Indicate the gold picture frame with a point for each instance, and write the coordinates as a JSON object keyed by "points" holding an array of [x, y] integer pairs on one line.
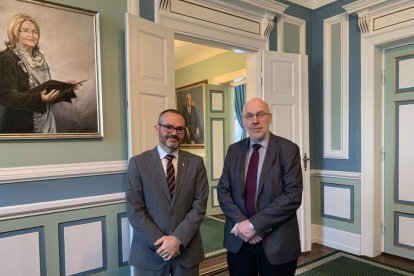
{"points": [[68, 38]]}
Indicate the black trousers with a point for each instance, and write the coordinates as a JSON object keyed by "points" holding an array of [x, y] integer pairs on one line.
{"points": [[251, 260]]}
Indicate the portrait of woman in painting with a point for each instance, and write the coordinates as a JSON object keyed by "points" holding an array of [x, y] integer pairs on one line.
{"points": [[23, 67]]}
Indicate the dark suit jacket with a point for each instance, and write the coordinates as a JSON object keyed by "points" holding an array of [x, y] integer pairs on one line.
{"points": [[152, 214], [279, 195], [192, 122]]}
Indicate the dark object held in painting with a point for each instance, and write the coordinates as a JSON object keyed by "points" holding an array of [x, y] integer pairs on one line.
{"points": [[54, 84]]}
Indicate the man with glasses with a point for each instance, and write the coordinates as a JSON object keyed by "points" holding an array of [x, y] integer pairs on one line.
{"points": [[259, 192], [166, 197]]}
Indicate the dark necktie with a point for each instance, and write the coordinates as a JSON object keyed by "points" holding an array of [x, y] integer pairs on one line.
{"points": [[251, 181], [170, 174]]}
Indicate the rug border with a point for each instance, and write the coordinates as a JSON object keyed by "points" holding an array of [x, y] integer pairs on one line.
{"points": [[353, 256]]}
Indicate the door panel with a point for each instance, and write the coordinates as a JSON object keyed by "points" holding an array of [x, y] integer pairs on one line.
{"points": [[399, 152], [150, 73], [285, 88], [218, 114]]}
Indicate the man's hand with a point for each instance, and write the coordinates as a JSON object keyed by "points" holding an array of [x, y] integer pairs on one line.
{"points": [[245, 231], [255, 239], [169, 247]]}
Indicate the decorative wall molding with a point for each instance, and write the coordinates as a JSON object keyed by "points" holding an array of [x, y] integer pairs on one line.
{"points": [[302, 30], [250, 20], [133, 6], [312, 4], [336, 174], [35, 173], [337, 202], [379, 15], [12, 212], [337, 239], [336, 97]]}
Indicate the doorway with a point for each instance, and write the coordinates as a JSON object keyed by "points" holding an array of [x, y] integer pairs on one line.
{"points": [[215, 72]]}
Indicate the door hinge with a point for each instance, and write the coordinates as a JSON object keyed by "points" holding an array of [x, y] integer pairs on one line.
{"points": [[382, 154], [382, 227]]}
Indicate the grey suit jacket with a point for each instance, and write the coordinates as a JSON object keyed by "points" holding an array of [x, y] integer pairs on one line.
{"points": [[279, 195], [153, 214]]}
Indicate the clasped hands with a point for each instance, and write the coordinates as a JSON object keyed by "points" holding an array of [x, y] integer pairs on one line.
{"points": [[168, 247], [245, 232]]}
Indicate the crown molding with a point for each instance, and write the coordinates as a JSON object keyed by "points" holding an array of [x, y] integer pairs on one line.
{"points": [[376, 16], [312, 4]]}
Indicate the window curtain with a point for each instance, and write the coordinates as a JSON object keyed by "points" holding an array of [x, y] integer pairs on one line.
{"points": [[239, 101]]}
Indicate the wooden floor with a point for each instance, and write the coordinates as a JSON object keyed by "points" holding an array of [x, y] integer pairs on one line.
{"points": [[218, 266]]}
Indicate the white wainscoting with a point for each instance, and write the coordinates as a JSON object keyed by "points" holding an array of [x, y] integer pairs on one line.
{"points": [[83, 246], [20, 253], [337, 239], [338, 201]]}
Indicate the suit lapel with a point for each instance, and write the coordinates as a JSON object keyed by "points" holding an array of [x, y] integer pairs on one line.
{"points": [[159, 174], [182, 167], [268, 160], [242, 155]]}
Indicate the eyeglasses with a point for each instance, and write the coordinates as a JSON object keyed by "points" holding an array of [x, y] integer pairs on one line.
{"points": [[27, 32], [260, 116], [170, 128]]}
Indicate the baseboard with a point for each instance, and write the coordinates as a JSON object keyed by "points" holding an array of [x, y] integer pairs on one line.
{"points": [[337, 239]]}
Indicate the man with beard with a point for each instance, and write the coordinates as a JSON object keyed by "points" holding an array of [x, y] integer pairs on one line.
{"points": [[166, 198]]}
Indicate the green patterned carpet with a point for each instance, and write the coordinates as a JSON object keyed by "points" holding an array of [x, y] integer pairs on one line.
{"points": [[344, 264], [212, 234]]}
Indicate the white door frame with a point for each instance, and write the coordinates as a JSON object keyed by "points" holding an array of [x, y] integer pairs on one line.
{"points": [[373, 42]]}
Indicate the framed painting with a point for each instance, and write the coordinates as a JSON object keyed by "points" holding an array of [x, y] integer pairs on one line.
{"points": [[50, 85], [190, 102]]}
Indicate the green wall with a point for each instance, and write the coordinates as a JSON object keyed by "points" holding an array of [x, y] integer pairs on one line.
{"points": [[114, 144]]}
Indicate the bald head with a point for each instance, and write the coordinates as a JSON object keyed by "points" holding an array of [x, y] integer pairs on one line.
{"points": [[256, 119], [256, 103]]}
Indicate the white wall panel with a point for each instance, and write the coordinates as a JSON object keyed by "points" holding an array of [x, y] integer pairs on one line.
{"points": [[405, 152], [405, 73], [406, 230], [337, 202], [20, 255], [125, 239], [217, 129], [83, 247]]}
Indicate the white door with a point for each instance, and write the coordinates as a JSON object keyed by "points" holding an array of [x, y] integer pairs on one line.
{"points": [[150, 82], [399, 152], [285, 88], [150, 79]]}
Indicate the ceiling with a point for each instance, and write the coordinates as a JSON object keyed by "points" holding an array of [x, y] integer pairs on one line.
{"points": [[187, 53]]}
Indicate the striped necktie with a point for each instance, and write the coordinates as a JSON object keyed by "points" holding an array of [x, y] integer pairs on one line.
{"points": [[170, 174]]}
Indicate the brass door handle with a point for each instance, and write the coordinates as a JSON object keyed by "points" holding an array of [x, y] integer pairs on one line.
{"points": [[305, 162]]}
